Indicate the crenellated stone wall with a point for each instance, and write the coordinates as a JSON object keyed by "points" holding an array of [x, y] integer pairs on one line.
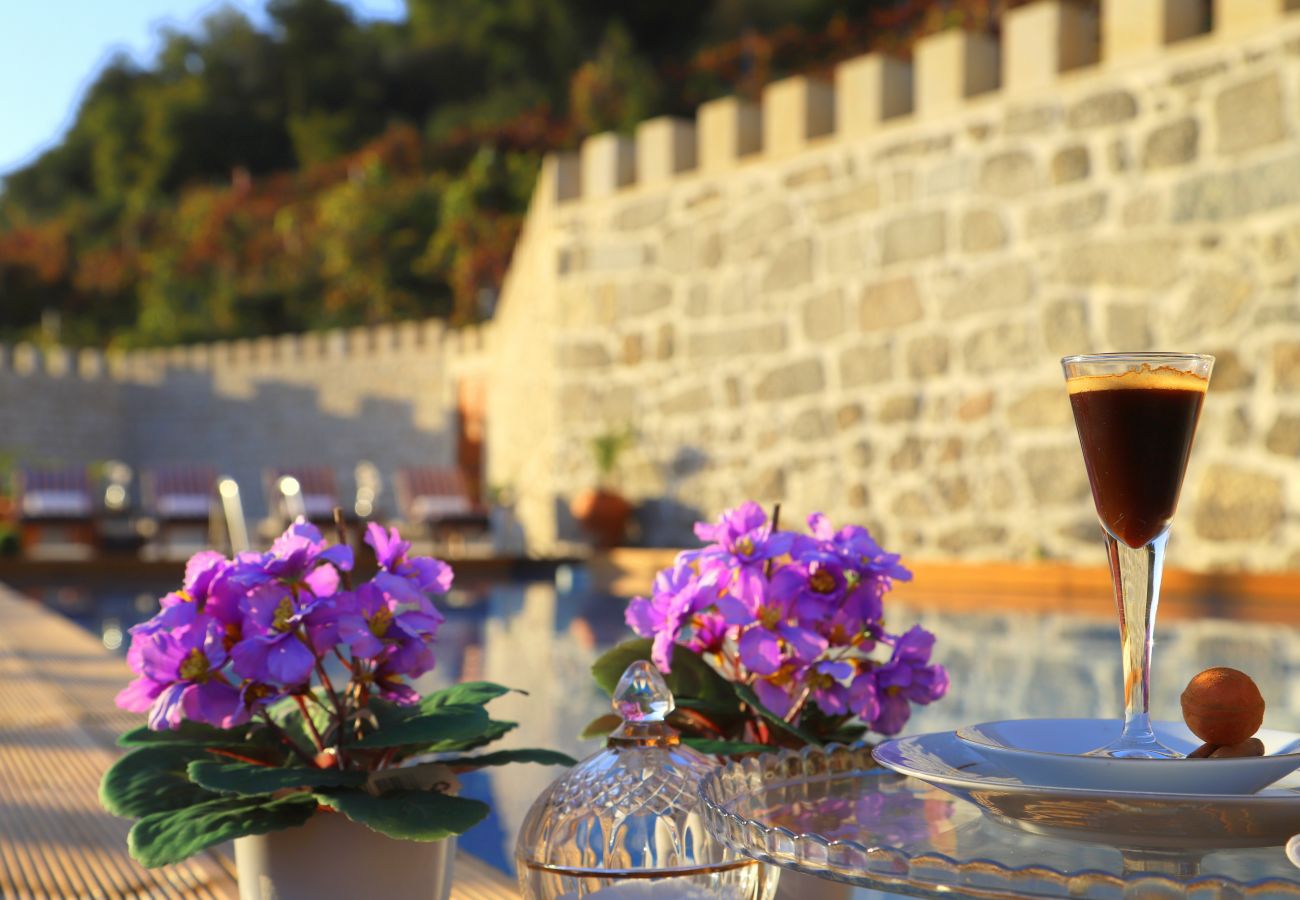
{"points": [[853, 297], [384, 394]]}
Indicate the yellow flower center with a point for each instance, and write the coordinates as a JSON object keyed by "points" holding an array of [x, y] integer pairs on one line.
{"points": [[195, 666], [257, 692], [893, 690], [745, 546], [769, 617], [283, 613], [380, 621], [822, 581], [820, 681]]}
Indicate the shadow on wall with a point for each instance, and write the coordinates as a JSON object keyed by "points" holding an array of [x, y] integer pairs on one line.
{"points": [[185, 419]]}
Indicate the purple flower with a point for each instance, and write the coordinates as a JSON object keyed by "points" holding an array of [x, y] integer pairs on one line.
{"points": [[709, 633], [825, 680], [182, 672], [776, 636], [863, 699], [411, 579], [677, 595], [774, 693], [855, 544], [371, 621], [276, 652], [743, 544], [906, 679]]}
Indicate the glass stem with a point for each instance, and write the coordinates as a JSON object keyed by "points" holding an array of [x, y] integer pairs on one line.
{"points": [[1136, 577]]}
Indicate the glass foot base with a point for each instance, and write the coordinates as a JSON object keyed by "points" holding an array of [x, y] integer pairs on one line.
{"points": [[1127, 748]]}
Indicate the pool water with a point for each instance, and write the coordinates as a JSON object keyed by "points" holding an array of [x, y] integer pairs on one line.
{"points": [[543, 635]]}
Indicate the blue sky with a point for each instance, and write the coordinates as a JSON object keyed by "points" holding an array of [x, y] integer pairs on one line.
{"points": [[51, 50]]}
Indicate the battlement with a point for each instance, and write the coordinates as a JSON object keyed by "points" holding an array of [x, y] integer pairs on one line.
{"points": [[430, 336], [1040, 43]]}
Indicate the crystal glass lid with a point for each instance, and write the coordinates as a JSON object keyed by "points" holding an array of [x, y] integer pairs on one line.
{"points": [[633, 805]]}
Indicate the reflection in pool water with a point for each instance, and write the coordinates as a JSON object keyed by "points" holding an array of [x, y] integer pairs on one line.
{"points": [[542, 636]]}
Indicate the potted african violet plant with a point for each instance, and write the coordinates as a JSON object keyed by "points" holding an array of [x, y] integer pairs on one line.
{"points": [[601, 510], [770, 638], [281, 715]]}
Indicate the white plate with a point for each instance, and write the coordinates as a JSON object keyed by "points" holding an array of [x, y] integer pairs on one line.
{"points": [[1137, 819], [1051, 751]]}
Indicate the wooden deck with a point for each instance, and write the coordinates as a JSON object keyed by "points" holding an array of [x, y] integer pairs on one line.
{"points": [[58, 727]]}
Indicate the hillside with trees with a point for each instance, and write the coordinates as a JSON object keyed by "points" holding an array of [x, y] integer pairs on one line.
{"points": [[326, 171]]}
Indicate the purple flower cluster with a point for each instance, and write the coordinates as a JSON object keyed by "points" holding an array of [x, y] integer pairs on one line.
{"points": [[243, 633], [798, 617]]}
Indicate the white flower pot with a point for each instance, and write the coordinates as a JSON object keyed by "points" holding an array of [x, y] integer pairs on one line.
{"points": [[332, 856]]}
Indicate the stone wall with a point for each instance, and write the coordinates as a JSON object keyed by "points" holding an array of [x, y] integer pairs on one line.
{"points": [[386, 395], [853, 297]]}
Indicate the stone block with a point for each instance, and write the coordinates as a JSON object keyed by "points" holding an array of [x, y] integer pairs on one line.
{"points": [[1047, 38], [1065, 327], [1055, 474], [728, 128], [810, 425], [1283, 437], [1106, 108], [998, 347], [608, 163], [1007, 285], [641, 214], [664, 147], [1171, 145], [27, 359], [1135, 263], [691, 247], [583, 355], [1128, 327], [953, 65], [644, 297], [560, 179], [1237, 504], [1216, 302], [1239, 192], [1286, 367], [913, 236], [823, 316], [888, 304], [796, 110], [790, 267], [1231, 16], [692, 400], [982, 230], [1070, 164], [1065, 216], [1009, 173], [91, 364], [927, 356], [737, 340], [851, 200], [1250, 115], [796, 379], [1044, 407], [866, 365], [870, 89], [1136, 29]]}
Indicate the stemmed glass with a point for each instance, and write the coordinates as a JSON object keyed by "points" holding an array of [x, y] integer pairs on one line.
{"points": [[1136, 415]]}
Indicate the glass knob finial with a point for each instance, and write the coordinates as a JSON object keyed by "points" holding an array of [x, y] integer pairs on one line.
{"points": [[642, 695]]}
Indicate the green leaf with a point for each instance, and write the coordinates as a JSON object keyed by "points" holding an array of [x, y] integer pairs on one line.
{"points": [[409, 815], [600, 726], [234, 777], [169, 837], [746, 694], [469, 693], [494, 731], [151, 780], [691, 677], [446, 728], [190, 732], [723, 748], [505, 757]]}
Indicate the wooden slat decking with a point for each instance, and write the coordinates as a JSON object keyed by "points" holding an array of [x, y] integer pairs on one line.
{"points": [[58, 726]]}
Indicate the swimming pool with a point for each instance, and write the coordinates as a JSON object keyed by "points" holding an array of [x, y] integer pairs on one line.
{"points": [[541, 633]]}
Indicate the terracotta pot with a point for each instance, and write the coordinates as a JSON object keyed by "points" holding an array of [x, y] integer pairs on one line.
{"points": [[602, 514], [331, 856]]}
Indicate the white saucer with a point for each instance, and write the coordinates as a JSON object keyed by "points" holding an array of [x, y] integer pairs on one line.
{"points": [[1051, 751], [1136, 819]]}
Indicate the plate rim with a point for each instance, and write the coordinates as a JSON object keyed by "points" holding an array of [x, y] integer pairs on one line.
{"points": [[1010, 784], [964, 734]]}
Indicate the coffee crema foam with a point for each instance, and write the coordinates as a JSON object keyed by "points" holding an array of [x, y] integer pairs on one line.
{"points": [[1164, 378]]}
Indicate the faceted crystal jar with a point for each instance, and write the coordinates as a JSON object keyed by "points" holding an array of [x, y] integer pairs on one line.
{"points": [[625, 823]]}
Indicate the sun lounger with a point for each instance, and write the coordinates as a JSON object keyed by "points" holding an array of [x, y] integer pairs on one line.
{"points": [[56, 511], [438, 499], [179, 499], [317, 494]]}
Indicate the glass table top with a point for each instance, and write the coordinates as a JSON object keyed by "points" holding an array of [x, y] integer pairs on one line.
{"points": [[836, 815]]}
